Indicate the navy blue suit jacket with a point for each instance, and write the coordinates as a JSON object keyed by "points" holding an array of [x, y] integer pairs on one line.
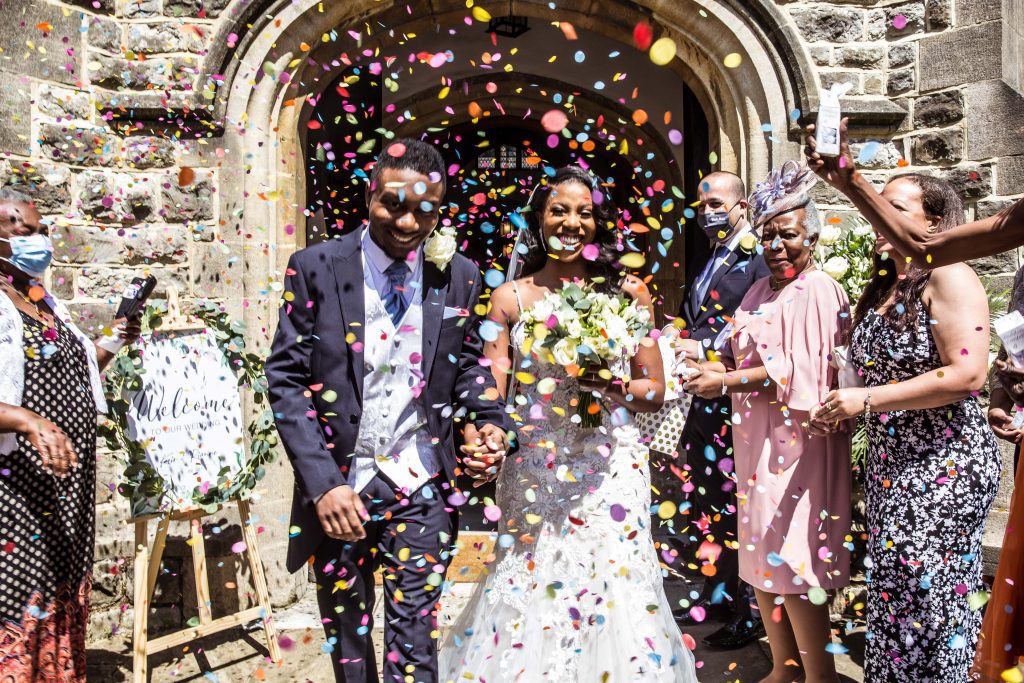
{"points": [[315, 371], [729, 284]]}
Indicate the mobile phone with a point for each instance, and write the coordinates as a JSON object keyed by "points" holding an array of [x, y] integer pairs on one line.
{"points": [[134, 297]]}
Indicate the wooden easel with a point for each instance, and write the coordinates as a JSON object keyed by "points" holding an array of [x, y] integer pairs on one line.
{"points": [[148, 558], [147, 568]]}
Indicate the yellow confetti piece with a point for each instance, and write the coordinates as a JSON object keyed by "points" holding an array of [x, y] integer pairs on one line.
{"points": [[633, 260], [1013, 675], [481, 15], [403, 554], [733, 60], [525, 377], [667, 509], [547, 386], [663, 51], [532, 518]]}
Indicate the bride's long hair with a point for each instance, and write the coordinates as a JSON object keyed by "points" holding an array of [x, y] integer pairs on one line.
{"points": [[606, 265]]}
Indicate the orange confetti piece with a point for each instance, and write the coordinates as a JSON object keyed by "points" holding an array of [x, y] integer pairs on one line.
{"points": [[568, 30]]}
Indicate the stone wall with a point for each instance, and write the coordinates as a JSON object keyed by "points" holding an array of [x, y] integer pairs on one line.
{"points": [[101, 118]]}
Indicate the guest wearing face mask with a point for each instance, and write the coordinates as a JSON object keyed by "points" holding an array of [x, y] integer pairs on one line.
{"points": [[50, 395], [712, 292]]}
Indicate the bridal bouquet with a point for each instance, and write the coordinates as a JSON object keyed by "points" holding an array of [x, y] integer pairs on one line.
{"points": [[577, 327]]}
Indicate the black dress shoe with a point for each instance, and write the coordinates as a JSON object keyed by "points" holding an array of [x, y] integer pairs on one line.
{"points": [[683, 615], [738, 632]]}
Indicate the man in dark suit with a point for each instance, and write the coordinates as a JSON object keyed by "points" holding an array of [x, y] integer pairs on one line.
{"points": [[713, 291], [376, 355]]}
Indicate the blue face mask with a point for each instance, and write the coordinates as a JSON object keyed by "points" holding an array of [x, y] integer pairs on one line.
{"points": [[31, 254]]}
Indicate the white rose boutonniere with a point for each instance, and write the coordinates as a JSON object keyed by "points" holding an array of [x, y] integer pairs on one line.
{"points": [[441, 247]]}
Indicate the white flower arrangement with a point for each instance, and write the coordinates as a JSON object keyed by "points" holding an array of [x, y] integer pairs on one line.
{"points": [[441, 247], [576, 327], [836, 267]]}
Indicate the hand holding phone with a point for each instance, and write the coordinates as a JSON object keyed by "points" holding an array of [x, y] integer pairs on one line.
{"points": [[133, 302]]}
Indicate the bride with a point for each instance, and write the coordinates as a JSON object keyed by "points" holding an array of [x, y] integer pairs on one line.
{"points": [[575, 592]]}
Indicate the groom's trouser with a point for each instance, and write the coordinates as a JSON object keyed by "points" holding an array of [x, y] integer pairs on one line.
{"points": [[707, 443], [408, 536]]}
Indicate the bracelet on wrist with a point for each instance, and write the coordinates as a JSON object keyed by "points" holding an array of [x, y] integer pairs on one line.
{"points": [[867, 405]]}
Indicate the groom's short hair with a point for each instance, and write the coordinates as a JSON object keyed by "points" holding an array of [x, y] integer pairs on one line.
{"points": [[418, 156]]}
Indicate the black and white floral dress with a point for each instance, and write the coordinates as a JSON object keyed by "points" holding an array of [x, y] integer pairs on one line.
{"points": [[931, 477]]}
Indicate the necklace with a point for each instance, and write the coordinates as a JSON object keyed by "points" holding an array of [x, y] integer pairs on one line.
{"points": [[43, 317]]}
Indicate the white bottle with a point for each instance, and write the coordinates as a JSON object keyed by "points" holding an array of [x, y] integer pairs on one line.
{"points": [[826, 128]]}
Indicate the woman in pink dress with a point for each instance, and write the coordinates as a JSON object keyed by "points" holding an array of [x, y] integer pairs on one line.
{"points": [[793, 488]]}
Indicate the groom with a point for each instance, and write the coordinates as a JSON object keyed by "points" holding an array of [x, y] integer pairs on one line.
{"points": [[376, 354]]}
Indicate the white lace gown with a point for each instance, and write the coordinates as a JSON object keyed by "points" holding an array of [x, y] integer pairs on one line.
{"points": [[575, 592]]}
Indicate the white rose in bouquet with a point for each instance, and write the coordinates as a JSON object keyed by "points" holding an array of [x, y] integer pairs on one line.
{"points": [[564, 352], [830, 234], [862, 229], [836, 267]]}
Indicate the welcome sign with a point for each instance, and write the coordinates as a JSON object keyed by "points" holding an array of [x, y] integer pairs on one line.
{"points": [[188, 413]]}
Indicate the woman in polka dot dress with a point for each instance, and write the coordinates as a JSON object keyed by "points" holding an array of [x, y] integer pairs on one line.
{"points": [[49, 398]]}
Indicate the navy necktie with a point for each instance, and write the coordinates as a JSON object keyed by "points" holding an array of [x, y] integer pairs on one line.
{"points": [[701, 288], [394, 298]]}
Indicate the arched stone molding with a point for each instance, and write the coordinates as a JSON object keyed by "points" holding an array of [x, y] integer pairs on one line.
{"points": [[772, 79]]}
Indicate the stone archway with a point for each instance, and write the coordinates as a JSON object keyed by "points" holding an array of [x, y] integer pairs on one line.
{"points": [[748, 106]]}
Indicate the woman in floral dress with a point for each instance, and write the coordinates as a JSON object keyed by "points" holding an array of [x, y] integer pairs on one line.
{"points": [[920, 342]]}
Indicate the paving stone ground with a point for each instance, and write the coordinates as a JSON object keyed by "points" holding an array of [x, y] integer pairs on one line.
{"points": [[240, 654]]}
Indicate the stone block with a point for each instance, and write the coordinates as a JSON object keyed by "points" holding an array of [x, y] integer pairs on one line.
{"points": [[104, 34], [943, 146], [140, 9], [861, 56], [114, 538], [1004, 263], [64, 104], [995, 120], [965, 55], [51, 53], [902, 54], [109, 582], [116, 197], [886, 156], [909, 15], [216, 272], [1010, 175], [106, 283], [972, 181], [831, 25], [89, 244], [145, 151], [101, 6], [876, 25], [977, 11], [900, 81], [195, 8], [62, 282], [167, 37], [938, 109], [990, 207], [829, 78], [193, 202], [821, 55], [938, 14], [47, 184], [873, 85], [118, 72], [77, 145], [15, 114]]}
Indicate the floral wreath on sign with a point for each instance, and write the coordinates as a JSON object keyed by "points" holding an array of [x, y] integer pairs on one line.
{"points": [[140, 482]]}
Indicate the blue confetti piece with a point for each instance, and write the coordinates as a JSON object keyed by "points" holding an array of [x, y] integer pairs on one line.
{"points": [[775, 560], [868, 152]]}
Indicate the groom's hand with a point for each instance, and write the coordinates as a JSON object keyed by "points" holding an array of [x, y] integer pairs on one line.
{"points": [[483, 451], [342, 514]]}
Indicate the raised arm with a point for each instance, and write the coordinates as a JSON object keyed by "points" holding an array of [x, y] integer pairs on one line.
{"points": [[926, 248]]}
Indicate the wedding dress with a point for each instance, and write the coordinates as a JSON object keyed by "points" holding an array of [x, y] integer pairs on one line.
{"points": [[575, 592]]}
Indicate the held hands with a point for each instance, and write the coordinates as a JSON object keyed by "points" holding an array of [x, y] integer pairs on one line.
{"points": [[703, 382], [836, 171], [342, 514], [839, 405], [1011, 376], [1000, 421], [55, 448], [483, 451]]}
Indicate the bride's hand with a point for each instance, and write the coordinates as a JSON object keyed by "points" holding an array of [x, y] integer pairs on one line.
{"points": [[703, 382], [595, 378]]}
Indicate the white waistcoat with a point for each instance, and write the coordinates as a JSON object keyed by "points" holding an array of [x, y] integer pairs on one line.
{"points": [[393, 436]]}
